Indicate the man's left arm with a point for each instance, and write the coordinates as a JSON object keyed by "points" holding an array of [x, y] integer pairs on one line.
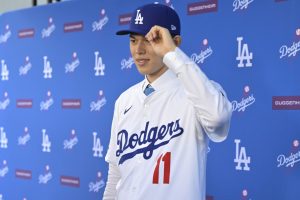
{"points": [[209, 99], [212, 107]]}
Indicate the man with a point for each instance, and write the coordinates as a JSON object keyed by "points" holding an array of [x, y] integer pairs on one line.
{"points": [[162, 125]]}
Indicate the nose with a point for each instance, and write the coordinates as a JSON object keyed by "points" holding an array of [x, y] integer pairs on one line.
{"points": [[140, 48]]}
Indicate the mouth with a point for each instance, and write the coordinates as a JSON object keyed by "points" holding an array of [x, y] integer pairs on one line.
{"points": [[141, 61]]}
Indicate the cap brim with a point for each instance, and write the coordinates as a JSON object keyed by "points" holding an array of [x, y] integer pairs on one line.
{"points": [[126, 32]]}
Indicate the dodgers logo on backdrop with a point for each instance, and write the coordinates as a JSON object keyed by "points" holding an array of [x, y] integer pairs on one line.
{"points": [[4, 169], [23, 140], [7, 34], [205, 52], [243, 54], [4, 71], [98, 104], [46, 143], [70, 67], [241, 157], [98, 25], [169, 3], [292, 158], [138, 18], [72, 141], [5, 102], [245, 195], [3, 139], [98, 184], [146, 141], [127, 64], [46, 104], [99, 65], [46, 176], [247, 100], [97, 146], [290, 50], [46, 32], [24, 69], [241, 4]]}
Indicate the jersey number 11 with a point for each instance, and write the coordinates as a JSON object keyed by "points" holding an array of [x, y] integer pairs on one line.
{"points": [[166, 158]]}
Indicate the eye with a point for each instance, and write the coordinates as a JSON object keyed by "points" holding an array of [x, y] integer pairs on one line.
{"points": [[147, 42], [132, 40]]}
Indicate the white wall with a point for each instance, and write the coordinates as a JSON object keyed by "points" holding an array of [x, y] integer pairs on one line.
{"points": [[10, 5]]}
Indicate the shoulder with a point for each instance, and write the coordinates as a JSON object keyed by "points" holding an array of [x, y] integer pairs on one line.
{"points": [[130, 93]]}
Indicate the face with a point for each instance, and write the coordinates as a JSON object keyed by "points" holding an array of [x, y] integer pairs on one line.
{"points": [[145, 59]]}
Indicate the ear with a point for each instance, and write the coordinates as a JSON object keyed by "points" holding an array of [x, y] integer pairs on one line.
{"points": [[177, 40]]}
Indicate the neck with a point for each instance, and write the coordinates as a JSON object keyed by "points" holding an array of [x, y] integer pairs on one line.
{"points": [[152, 77]]}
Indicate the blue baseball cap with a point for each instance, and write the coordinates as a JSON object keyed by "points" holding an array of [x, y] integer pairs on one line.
{"points": [[145, 17]]}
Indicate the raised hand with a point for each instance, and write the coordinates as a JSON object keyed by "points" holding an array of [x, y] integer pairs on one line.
{"points": [[161, 40]]}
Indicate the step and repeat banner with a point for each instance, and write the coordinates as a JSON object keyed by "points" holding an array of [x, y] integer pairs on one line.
{"points": [[62, 68]]}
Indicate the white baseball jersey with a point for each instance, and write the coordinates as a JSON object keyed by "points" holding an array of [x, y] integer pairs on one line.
{"points": [[159, 142]]}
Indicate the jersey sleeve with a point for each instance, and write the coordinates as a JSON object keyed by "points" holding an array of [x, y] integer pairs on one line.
{"points": [[213, 109], [111, 152]]}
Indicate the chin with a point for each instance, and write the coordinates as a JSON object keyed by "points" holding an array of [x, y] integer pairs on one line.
{"points": [[143, 70]]}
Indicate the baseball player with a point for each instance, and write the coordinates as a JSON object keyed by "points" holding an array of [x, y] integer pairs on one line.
{"points": [[162, 125]]}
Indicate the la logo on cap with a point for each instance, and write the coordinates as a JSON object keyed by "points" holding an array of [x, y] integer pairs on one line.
{"points": [[138, 18]]}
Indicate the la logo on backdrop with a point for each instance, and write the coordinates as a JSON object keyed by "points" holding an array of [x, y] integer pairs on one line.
{"points": [[6, 35], [4, 169], [4, 71], [4, 102], [47, 68], [243, 53], [3, 139], [97, 146], [241, 157], [99, 65], [46, 143]]}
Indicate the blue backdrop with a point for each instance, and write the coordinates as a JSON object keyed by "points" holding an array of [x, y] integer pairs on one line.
{"points": [[62, 68]]}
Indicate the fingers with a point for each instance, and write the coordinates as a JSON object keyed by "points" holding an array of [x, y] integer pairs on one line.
{"points": [[155, 33]]}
